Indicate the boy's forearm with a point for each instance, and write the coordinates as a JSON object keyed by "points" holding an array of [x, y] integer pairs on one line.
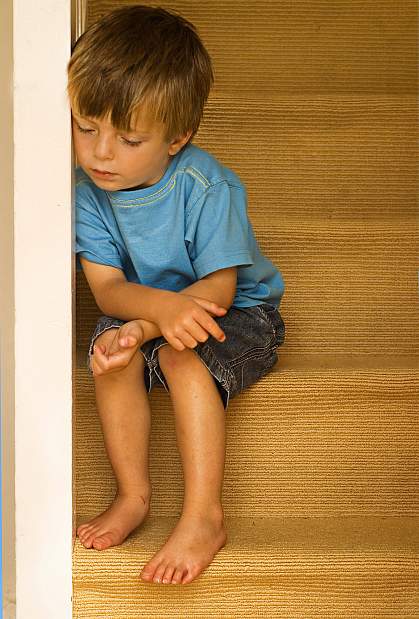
{"points": [[130, 301], [150, 329], [218, 290]]}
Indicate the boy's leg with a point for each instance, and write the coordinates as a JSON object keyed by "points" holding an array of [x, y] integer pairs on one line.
{"points": [[200, 430], [124, 411]]}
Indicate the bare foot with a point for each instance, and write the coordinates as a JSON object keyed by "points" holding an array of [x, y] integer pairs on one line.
{"points": [[114, 525], [191, 547]]}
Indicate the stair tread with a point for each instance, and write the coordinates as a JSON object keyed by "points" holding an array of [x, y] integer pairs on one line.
{"points": [[366, 562], [330, 363], [280, 537]]}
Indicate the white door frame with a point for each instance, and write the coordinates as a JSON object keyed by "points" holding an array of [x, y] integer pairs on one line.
{"points": [[37, 283]]}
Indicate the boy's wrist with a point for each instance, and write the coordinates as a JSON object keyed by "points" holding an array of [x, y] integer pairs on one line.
{"points": [[150, 329]]}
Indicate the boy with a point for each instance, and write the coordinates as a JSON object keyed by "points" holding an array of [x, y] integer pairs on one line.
{"points": [[171, 258]]}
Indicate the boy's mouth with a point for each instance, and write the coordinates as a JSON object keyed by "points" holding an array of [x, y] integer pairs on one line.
{"points": [[103, 173]]}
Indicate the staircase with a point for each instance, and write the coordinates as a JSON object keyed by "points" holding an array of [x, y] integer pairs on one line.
{"points": [[315, 107]]}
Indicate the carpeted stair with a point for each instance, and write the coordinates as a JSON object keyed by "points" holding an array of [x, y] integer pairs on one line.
{"points": [[315, 107]]}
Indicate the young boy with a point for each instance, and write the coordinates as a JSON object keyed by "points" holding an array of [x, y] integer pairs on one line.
{"points": [[168, 251]]}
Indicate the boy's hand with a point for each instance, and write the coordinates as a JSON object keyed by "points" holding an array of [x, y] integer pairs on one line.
{"points": [[114, 348], [185, 320]]}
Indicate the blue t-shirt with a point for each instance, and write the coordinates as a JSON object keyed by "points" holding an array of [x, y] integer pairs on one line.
{"points": [[191, 223]]}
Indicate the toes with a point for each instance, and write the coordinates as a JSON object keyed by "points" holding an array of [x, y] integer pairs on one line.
{"points": [[158, 574], [162, 573], [177, 576], [168, 574], [85, 529], [190, 575], [102, 542], [149, 570], [88, 540], [88, 524], [82, 529], [82, 535], [88, 535], [147, 576]]}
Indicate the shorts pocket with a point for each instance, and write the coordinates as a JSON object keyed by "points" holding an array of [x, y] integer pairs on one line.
{"points": [[272, 316], [253, 368]]}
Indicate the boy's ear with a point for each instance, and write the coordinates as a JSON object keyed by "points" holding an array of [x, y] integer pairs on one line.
{"points": [[178, 143]]}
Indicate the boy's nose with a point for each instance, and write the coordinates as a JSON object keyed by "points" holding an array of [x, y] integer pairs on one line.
{"points": [[103, 148]]}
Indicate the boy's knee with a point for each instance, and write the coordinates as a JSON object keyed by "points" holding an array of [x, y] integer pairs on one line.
{"points": [[172, 359]]}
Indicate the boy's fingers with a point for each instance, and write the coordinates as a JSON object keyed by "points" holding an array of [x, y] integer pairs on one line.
{"points": [[195, 334], [215, 330], [210, 306], [129, 335], [128, 340], [210, 326], [189, 340], [176, 343], [116, 361], [98, 359], [122, 341]]}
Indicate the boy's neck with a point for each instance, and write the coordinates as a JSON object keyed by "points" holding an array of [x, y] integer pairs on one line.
{"points": [[133, 188]]}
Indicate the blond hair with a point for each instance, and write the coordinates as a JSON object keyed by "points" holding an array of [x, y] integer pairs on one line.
{"points": [[141, 58]]}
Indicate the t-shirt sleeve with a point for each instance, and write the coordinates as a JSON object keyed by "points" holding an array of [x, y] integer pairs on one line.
{"points": [[93, 238], [217, 230]]}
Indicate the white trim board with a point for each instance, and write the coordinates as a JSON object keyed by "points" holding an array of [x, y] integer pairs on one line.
{"points": [[37, 321]]}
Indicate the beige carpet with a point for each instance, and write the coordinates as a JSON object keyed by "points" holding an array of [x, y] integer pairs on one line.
{"points": [[315, 107]]}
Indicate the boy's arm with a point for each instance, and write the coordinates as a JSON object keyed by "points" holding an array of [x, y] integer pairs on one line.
{"points": [[117, 297], [179, 316]]}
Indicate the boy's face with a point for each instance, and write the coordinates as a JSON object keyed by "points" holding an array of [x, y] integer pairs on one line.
{"points": [[115, 159]]}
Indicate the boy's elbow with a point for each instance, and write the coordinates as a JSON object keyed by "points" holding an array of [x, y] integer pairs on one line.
{"points": [[230, 298], [104, 297], [230, 288], [103, 306], [225, 280]]}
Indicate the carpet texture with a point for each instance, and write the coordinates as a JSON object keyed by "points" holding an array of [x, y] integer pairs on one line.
{"points": [[315, 107]]}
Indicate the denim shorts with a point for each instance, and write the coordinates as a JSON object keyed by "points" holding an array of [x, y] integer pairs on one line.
{"points": [[249, 351]]}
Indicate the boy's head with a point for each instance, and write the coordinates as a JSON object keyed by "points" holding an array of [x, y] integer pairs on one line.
{"points": [[138, 80], [145, 59]]}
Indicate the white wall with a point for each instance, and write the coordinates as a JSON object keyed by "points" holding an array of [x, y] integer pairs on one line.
{"points": [[37, 277]]}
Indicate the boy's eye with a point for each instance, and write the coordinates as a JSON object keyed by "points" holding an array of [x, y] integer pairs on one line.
{"points": [[84, 129], [131, 142]]}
